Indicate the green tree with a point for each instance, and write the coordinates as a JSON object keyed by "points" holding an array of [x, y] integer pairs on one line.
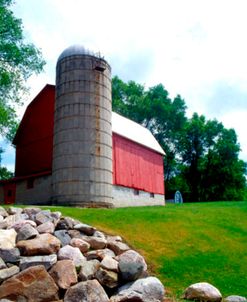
{"points": [[18, 61], [154, 109], [210, 165]]}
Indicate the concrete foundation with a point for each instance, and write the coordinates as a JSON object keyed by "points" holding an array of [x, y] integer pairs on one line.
{"points": [[41, 194], [128, 197]]}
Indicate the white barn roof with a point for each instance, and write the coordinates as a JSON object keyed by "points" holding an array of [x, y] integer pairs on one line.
{"points": [[135, 132]]}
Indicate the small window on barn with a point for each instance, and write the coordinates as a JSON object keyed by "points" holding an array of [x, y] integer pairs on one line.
{"points": [[9, 193], [151, 195], [136, 192], [30, 183]]}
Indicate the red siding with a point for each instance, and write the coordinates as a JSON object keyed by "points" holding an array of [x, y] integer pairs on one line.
{"points": [[34, 139], [137, 166]]}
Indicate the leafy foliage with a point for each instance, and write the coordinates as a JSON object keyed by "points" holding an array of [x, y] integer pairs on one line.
{"points": [[18, 60], [201, 155], [211, 168]]}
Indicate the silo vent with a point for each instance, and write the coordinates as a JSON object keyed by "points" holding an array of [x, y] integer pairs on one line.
{"points": [[99, 68]]}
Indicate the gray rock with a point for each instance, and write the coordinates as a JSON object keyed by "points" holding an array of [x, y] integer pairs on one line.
{"points": [[85, 228], [107, 278], [14, 210], [2, 264], [88, 270], [65, 223], [31, 212], [81, 244], [8, 272], [142, 290], [71, 253], [1, 218], [109, 264], [47, 227], [202, 291], [47, 261], [12, 219], [95, 242], [88, 291], [99, 234], [20, 223], [7, 239], [56, 215], [76, 234], [27, 232], [118, 247], [3, 212], [131, 265], [43, 216], [10, 255], [234, 298], [63, 236]]}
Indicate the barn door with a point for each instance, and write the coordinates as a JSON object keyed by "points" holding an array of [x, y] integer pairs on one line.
{"points": [[9, 193]]}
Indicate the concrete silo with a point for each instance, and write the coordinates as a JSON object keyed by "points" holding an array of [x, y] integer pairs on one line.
{"points": [[82, 142]]}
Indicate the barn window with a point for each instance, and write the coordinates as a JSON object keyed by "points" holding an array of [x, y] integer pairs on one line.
{"points": [[30, 183], [136, 192], [9, 193], [151, 195]]}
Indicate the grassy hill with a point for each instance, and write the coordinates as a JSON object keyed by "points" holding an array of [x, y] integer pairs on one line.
{"points": [[183, 244]]}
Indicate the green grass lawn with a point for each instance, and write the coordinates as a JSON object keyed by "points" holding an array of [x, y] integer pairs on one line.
{"points": [[183, 244]]}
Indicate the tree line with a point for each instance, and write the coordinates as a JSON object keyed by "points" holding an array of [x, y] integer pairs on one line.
{"points": [[202, 156]]}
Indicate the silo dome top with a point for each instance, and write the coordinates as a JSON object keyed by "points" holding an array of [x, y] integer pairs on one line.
{"points": [[74, 50]]}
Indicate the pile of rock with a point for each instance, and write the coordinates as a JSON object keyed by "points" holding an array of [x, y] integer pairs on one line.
{"points": [[47, 257]]}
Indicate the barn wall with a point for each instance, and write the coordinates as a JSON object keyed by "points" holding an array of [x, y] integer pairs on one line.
{"points": [[40, 194], [35, 135], [136, 166]]}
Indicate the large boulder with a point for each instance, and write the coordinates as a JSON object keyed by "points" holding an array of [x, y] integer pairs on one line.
{"points": [[88, 291], [44, 244], [117, 247], [131, 265], [202, 291], [107, 278], [88, 270], [64, 273], [63, 236], [34, 283], [85, 228], [81, 244], [26, 232], [148, 289], [71, 253]]}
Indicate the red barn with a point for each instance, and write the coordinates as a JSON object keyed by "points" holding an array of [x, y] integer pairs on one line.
{"points": [[137, 159]]}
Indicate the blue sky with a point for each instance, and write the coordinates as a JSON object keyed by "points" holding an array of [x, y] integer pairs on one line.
{"points": [[196, 48]]}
